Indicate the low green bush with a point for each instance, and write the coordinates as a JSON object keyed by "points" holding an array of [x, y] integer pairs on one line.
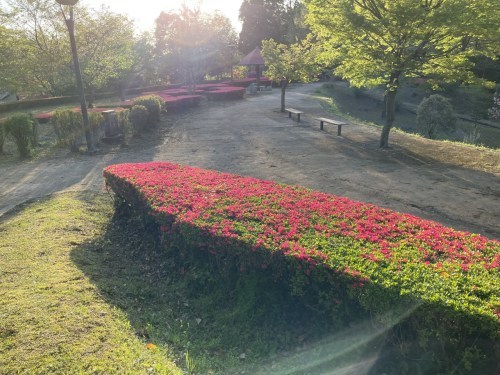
{"points": [[138, 118], [2, 137], [435, 113], [154, 105], [124, 124], [95, 122], [20, 128], [68, 126]]}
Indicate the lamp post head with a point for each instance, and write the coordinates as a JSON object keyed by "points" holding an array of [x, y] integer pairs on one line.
{"points": [[67, 2]]}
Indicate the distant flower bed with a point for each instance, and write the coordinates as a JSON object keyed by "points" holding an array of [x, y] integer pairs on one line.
{"points": [[244, 82], [181, 101], [47, 116], [227, 92]]}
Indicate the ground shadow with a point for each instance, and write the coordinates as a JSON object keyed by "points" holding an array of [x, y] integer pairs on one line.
{"points": [[245, 321]]}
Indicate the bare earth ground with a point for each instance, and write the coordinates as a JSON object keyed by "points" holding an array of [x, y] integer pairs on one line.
{"points": [[456, 185]]}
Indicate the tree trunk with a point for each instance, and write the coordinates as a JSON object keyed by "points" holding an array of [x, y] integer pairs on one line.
{"points": [[389, 107], [389, 119], [384, 106], [283, 84]]}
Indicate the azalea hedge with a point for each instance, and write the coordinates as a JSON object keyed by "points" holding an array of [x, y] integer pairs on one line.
{"points": [[434, 288]]}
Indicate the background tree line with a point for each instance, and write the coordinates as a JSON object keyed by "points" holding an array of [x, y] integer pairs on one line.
{"points": [[368, 43]]}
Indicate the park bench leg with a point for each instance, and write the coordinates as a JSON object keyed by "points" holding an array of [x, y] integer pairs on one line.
{"points": [[339, 130], [321, 125], [289, 114], [298, 117]]}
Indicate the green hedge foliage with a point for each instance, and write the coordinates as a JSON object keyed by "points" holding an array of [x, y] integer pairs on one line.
{"points": [[432, 291], [68, 126], [154, 105], [138, 117], [21, 128]]}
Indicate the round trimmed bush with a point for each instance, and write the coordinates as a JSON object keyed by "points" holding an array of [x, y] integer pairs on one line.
{"points": [[153, 104], [68, 126], [138, 117], [433, 113], [20, 127], [2, 137]]}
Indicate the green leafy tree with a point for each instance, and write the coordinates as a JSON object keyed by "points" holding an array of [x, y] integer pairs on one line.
{"points": [[261, 20], [296, 62], [39, 38], [377, 42], [190, 44], [435, 113], [105, 43]]}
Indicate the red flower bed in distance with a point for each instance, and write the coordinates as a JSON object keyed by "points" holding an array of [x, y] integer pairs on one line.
{"points": [[418, 257]]}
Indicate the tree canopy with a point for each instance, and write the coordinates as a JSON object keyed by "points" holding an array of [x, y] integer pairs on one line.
{"points": [[296, 62], [375, 42], [190, 44], [39, 50], [280, 20]]}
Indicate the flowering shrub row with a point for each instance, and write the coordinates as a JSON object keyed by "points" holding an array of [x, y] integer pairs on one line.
{"points": [[228, 92], [45, 117], [381, 256], [382, 245]]}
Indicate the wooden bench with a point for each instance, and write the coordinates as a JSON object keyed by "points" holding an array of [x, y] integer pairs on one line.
{"points": [[323, 120], [293, 110]]}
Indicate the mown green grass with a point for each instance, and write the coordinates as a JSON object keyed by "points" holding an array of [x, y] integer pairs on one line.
{"points": [[84, 291], [53, 318], [342, 101]]}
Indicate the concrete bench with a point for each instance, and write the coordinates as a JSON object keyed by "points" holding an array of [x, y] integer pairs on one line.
{"points": [[295, 111], [323, 120]]}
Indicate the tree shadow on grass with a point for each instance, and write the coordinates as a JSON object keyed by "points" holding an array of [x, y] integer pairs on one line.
{"points": [[246, 321]]}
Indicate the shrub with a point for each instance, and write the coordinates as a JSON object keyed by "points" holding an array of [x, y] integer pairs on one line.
{"points": [[68, 126], [35, 131], [124, 124], [95, 122], [494, 111], [438, 288], [138, 118], [433, 113], [2, 136], [20, 127], [153, 104]]}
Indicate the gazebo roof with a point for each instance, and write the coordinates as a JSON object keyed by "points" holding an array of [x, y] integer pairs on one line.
{"points": [[253, 58]]}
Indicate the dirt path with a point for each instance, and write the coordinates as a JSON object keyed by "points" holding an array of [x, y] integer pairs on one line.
{"points": [[251, 137]]}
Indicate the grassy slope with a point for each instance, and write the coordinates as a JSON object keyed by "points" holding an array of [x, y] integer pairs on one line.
{"points": [[52, 317], [81, 292]]}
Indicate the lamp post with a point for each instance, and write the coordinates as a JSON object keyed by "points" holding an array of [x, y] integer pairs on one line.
{"points": [[70, 23]]}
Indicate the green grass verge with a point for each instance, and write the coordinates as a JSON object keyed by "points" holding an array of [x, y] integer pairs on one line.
{"points": [[84, 292], [53, 319], [342, 100]]}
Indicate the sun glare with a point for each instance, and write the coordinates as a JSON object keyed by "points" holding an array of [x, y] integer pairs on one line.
{"points": [[144, 13]]}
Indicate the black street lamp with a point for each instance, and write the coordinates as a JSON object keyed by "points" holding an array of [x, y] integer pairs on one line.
{"points": [[70, 23]]}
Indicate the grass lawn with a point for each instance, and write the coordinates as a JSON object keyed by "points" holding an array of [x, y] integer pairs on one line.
{"points": [[84, 292], [53, 318], [343, 101]]}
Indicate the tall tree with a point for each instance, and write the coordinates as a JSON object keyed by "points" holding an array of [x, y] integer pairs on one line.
{"points": [[261, 19], [104, 42], [105, 46], [296, 62], [380, 41], [191, 44]]}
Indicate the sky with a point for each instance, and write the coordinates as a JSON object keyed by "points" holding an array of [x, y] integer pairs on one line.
{"points": [[145, 12]]}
